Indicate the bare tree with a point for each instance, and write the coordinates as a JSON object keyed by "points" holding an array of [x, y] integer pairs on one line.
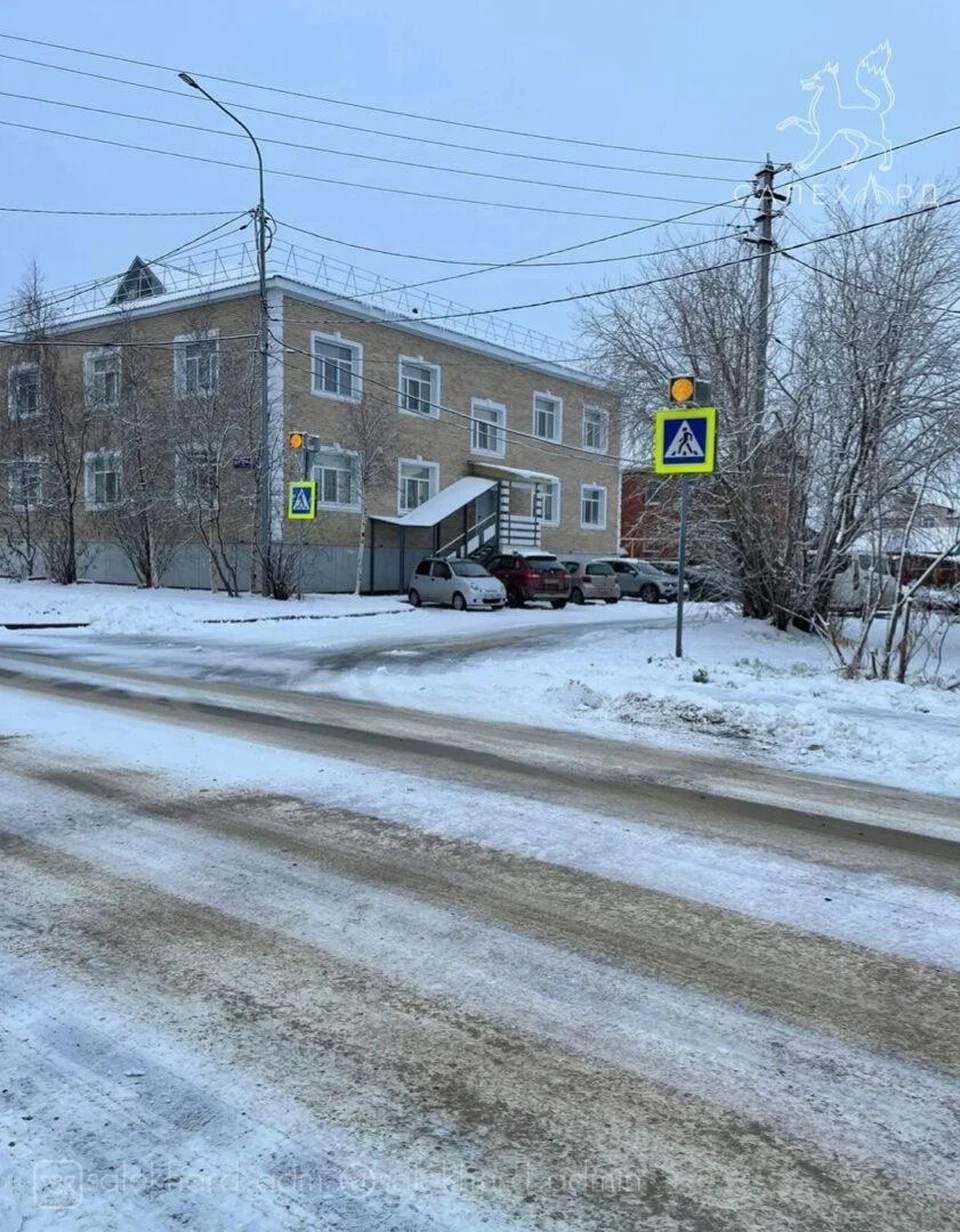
{"points": [[47, 428], [371, 435], [216, 414], [860, 382], [702, 320], [147, 522], [875, 374]]}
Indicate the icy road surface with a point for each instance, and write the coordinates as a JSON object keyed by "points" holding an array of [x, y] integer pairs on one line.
{"points": [[274, 962]]}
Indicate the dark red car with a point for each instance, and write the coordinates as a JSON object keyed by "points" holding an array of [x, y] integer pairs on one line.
{"points": [[532, 577]]}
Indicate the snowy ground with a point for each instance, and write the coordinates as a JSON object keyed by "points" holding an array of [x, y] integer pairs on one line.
{"points": [[250, 989], [129, 610], [741, 688]]}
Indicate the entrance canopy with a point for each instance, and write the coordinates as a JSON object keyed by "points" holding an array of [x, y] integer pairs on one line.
{"points": [[511, 473], [438, 508]]}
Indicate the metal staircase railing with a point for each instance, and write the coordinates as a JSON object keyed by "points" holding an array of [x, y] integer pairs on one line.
{"points": [[480, 535]]}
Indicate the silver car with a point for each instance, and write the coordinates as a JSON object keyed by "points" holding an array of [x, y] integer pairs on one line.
{"points": [[641, 580], [460, 584]]}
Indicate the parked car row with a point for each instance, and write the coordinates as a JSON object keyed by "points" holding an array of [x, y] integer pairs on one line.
{"points": [[515, 578]]}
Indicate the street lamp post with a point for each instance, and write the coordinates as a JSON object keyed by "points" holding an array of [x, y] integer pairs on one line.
{"points": [[266, 520]]}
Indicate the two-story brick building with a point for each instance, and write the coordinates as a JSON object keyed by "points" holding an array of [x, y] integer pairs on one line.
{"points": [[486, 444]]}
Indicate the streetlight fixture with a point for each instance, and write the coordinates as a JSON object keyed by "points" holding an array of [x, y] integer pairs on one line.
{"points": [[266, 520]]}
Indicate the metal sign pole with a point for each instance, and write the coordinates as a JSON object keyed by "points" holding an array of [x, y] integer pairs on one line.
{"points": [[684, 508], [685, 444]]}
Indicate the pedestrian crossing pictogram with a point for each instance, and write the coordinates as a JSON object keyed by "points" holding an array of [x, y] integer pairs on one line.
{"points": [[685, 443]]}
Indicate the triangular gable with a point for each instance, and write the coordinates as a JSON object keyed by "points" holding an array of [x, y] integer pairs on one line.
{"points": [[139, 282]]}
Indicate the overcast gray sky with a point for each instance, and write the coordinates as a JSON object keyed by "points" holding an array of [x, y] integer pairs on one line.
{"points": [[708, 80]]}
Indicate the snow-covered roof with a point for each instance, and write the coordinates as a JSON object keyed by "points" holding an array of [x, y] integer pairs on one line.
{"points": [[461, 492], [925, 540], [512, 472]]}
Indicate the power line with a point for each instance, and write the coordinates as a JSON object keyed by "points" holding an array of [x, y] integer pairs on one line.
{"points": [[317, 179], [112, 344], [853, 286], [408, 115], [23, 209], [680, 218], [374, 158], [649, 282], [379, 132], [523, 263]]}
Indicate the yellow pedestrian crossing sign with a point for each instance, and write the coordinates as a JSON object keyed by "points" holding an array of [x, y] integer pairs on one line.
{"points": [[685, 441], [302, 500]]}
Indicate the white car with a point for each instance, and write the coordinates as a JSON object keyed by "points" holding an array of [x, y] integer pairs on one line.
{"points": [[460, 583]]}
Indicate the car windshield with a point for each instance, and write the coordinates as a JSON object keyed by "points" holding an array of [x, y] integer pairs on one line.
{"points": [[599, 567], [468, 568], [543, 564]]}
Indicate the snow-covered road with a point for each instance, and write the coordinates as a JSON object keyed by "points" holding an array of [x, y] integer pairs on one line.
{"points": [[257, 976]]}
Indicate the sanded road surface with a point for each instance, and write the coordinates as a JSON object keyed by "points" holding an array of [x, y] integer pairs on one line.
{"points": [[231, 1006]]}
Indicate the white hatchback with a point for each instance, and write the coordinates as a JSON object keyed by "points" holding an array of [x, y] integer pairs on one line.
{"points": [[460, 584]]}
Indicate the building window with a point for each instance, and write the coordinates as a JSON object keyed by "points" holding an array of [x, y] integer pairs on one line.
{"points": [[101, 378], [593, 507], [653, 492], [196, 359], [595, 429], [419, 481], [547, 417], [488, 429], [24, 391], [102, 479], [545, 504], [25, 483], [419, 387], [337, 475], [337, 368], [198, 478]]}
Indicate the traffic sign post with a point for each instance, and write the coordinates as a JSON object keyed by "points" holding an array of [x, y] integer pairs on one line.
{"points": [[302, 500], [684, 444]]}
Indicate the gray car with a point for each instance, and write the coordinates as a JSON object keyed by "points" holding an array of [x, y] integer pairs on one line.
{"points": [[641, 580], [460, 584]]}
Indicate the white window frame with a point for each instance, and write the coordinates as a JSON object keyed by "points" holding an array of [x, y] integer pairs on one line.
{"points": [[89, 359], [90, 503], [555, 520], [13, 372], [594, 487], [558, 416], [316, 474], [18, 465], [604, 415], [356, 370], [188, 500], [433, 411], [434, 481], [484, 404], [180, 344]]}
